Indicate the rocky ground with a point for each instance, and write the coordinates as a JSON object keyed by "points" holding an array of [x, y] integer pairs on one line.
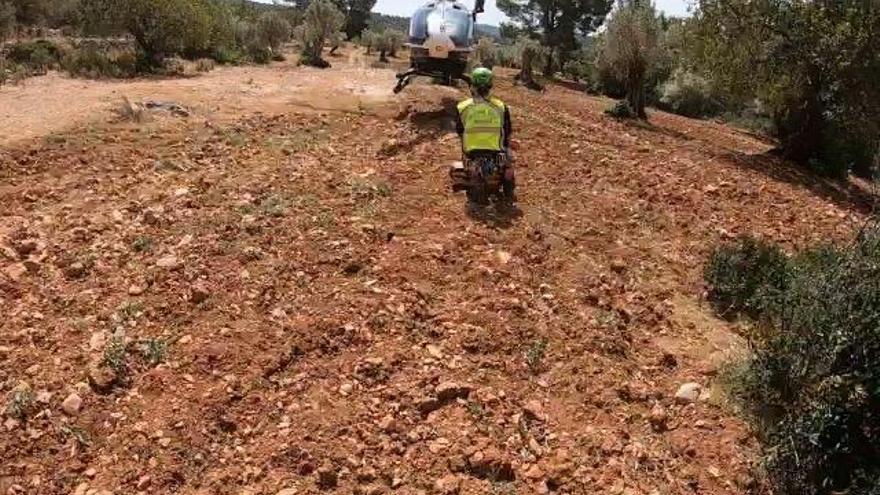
{"points": [[293, 302]]}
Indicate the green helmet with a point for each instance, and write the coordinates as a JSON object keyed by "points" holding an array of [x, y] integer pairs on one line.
{"points": [[481, 77]]}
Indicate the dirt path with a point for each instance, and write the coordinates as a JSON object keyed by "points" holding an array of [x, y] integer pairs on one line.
{"points": [[54, 103], [306, 307]]}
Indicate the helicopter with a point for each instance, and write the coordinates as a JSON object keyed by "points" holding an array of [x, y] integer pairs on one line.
{"points": [[441, 38]]}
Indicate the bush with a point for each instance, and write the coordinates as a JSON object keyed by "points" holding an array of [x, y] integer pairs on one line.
{"points": [[506, 56], [529, 53], [321, 20], [579, 69], [744, 275], [810, 384], [96, 63], [389, 42], [370, 40], [7, 20], [686, 93], [164, 28], [39, 54], [632, 49], [621, 110], [205, 65], [273, 30], [484, 53]]}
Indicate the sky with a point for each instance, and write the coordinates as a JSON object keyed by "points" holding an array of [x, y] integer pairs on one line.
{"points": [[493, 16]]}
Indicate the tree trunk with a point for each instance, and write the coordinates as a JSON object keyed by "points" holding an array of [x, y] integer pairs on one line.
{"points": [[635, 93], [382, 57], [548, 66]]}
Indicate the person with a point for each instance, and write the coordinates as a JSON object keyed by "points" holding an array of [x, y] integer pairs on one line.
{"points": [[484, 124]]}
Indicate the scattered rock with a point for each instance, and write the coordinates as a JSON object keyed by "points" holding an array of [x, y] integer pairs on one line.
{"points": [[199, 292], [503, 257], [346, 388], [135, 290], [535, 473], [618, 265], [489, 464], [98, 340], [434, 351], [252, 253], [448, 485], [102, 378], [327, 476], [658, 417], [76, 270], [143, 482], [388, 424], [15, 271], [72, 404], [169, 262], [534, 410], [366, 475], [287, 491], [687, 393], [427, 405], [449, 391]]}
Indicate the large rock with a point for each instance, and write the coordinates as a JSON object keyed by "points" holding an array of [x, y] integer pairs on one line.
{"points": [[102, 378], [72, 404], [658, 417], [327, 476], [688, 393], [169, 262], [448, 485], [449, 391]]}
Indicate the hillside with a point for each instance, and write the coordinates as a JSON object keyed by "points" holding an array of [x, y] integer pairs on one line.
{"points": [[274, 292]]}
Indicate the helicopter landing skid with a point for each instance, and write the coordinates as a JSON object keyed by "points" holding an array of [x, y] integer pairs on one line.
{"points": [[404, 78]]}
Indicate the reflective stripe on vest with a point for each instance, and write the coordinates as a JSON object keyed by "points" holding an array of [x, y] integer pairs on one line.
{"points": [[483, 122]]}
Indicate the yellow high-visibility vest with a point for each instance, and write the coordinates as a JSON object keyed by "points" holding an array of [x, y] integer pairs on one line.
{"points": [[483, 122]]}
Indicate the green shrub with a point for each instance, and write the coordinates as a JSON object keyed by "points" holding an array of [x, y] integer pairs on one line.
{"points": [[205, 65], [810, 384], [321, 20], [506, 56], [744, 275], [688, 94], [40, 55], [579, 69], [96, 63], [7, 19], [484, 53], [621, 110]]}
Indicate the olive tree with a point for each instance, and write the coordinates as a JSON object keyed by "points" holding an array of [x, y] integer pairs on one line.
{"points": [[7, 20], [320, 21], [631, 48]]}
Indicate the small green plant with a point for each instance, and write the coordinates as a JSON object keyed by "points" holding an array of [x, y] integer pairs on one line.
{"points": [[116, 355], [475, 409], [273, 206], [154, 350], [142, 244], [364, 190], [744, 276], [21, 403], [622, 110], [607, 319], [535, 355], [129, 310], [325, 219], [78, 434]]}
